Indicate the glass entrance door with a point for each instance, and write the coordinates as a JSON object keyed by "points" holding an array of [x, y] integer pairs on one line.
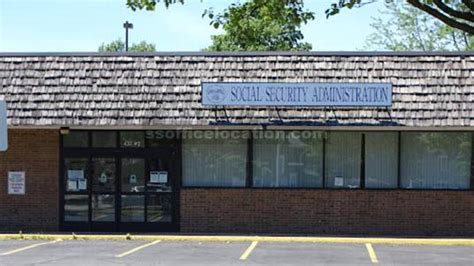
{"points": [[119, 189], [103, 193]]}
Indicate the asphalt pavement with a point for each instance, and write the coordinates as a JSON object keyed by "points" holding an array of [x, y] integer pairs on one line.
{"points": [[163, 252]]}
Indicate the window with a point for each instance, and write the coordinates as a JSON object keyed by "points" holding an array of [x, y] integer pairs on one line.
{"points": [[76, 174], [436, 160], [103, 208], [133, 208], [343, 158], [103, 174], [215, 158], [132, 139], [76, 208], [76, 139], [159, 208], [104, 139], [381, 160], [287, 159], [133, 175], [162, 139]]}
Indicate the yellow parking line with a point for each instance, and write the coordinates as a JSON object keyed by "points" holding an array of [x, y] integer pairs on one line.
{"points": [[137, 249], [28, 247], [371, 251], [249, 250]]}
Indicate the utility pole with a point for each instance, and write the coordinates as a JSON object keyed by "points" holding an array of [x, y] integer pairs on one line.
{"points": [[127, 26]]}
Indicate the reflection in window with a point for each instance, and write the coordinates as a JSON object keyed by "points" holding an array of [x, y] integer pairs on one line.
{"points": [[436, 160], [381, 159], [133, 175], [76, 139], [104, 139], [159, 208], [103, 174], [288, 159], [103, 208], [215, 159], [76, 208], [343, 157], [133, 209]]}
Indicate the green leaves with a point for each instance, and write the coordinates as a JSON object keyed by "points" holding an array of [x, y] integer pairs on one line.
{"points": [[406, 28], [261, 25], [119, 46], [150, 5], [455, 13]]}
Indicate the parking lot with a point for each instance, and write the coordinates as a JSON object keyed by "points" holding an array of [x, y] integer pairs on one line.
{"points": [[166, 252]]}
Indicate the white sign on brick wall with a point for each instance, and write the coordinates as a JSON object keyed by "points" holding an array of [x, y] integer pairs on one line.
{"points": [[16, 183], [3, 126]]}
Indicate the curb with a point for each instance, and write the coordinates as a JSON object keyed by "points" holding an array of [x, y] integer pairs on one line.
{"points": [[295, 239]]}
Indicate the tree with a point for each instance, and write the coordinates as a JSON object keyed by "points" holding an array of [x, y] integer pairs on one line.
{"points": [[410, 29], [256, 25], [458, 14], [119, 46], [261, 25]]}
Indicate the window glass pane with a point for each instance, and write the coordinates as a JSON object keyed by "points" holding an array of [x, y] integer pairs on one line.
{"points": [[76, 208], [215, 158], [159, 208], [381, 159], [76, 139], [436, 160], [76, 174], [103, 208], [133, 175], [161, 138], [132, 139], [103, 174], [287, 159], [104, 139], [343, 154], [133, 208]]}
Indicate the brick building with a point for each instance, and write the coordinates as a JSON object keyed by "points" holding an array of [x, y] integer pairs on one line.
{"points": [[123, 142]]}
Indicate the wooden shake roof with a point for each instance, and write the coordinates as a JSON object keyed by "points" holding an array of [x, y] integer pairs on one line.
{"points": [[155, 89]]}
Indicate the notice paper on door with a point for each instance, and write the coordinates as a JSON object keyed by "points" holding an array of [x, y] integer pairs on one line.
{"points": [[72, 185], [75, 174], [158, 177], [82, 184], [338, 181]]}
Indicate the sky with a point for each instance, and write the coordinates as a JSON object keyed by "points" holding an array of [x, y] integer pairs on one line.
{"points": [[82, 25]]}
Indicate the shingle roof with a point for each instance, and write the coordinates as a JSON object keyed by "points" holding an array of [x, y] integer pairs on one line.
{"points": [[153, 89]]}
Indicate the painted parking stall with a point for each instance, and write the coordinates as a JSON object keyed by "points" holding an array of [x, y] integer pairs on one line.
{"points": [[220, 250]]}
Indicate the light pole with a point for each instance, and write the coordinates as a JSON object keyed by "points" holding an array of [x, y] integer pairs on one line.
{"points": [[127, 26]]}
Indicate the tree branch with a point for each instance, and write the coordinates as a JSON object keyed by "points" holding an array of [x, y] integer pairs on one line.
{"points": [[447, 20], [452, 12], [469, 4]]}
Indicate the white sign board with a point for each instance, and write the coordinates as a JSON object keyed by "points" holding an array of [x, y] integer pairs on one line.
{"points": [[16, 183], [3, 126], [296, 94]]}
